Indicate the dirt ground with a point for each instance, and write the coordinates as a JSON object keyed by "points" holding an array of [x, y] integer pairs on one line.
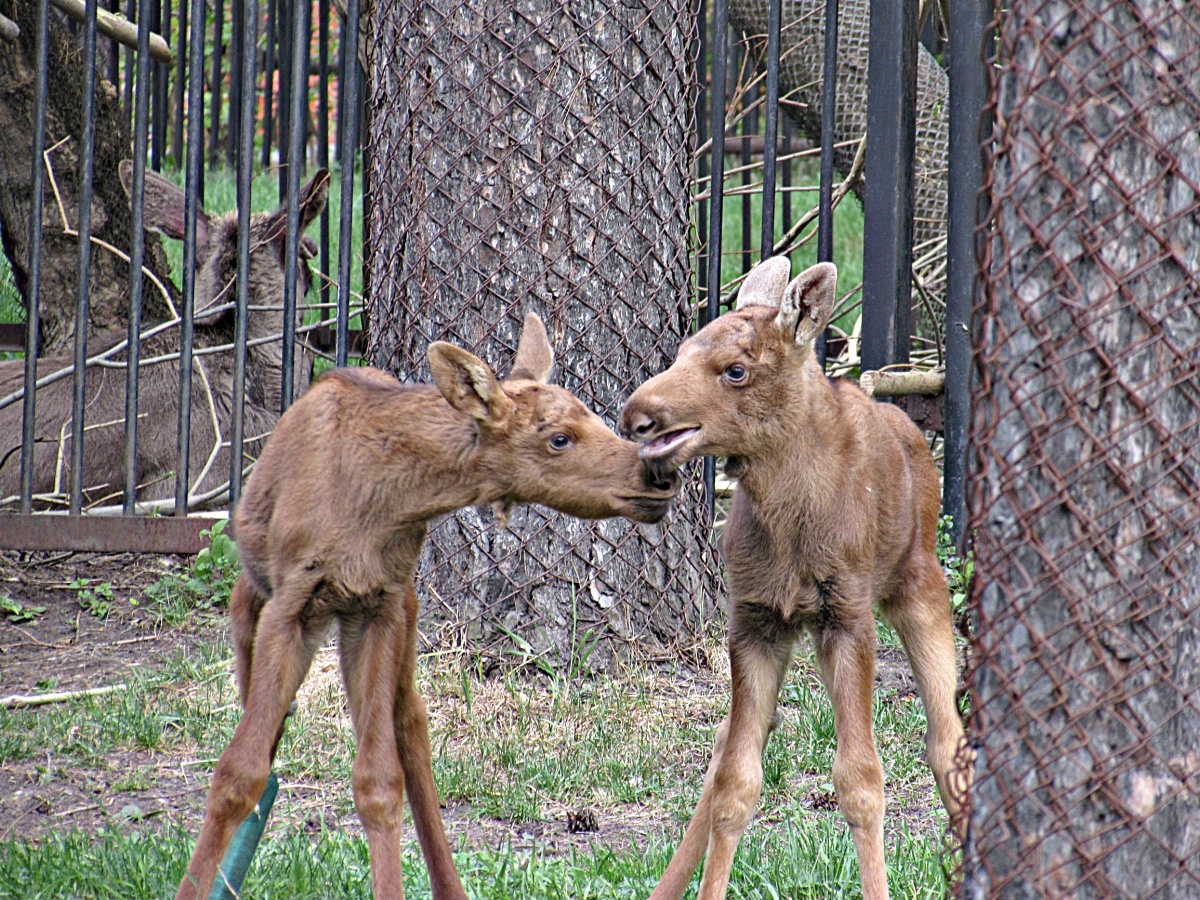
{"points": [[65, 648]]}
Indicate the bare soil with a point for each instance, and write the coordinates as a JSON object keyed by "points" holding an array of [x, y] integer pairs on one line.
{"points": [[67, 648]]}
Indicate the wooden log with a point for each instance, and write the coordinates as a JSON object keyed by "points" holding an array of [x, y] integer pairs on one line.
{"points": [[902, 384], [118, 28]]}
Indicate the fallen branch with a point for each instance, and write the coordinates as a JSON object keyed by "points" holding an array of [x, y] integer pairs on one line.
{"points": [[22, 701], [902, 384], [116, 27]]}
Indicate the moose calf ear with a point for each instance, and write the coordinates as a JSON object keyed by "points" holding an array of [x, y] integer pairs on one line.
{"points": [[535, 357], [765, 284], [467, 383], [808, 303]]}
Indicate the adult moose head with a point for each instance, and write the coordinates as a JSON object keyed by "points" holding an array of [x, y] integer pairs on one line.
{"points": [[835, 513], [330, 528], [158, 379]]}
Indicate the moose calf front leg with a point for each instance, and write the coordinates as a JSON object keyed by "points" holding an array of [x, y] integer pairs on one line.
{"points": [[846, 659], [734, 780]]}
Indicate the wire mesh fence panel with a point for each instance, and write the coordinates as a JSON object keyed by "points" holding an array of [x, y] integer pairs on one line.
{"points": [[1085, 501], [529, 156]]}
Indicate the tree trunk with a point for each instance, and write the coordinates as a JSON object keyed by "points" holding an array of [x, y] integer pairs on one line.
{"points": [[535, 156], [1085, 498], [111, 216]]}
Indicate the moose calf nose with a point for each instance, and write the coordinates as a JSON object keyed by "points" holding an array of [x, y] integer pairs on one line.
{"points": [[636, 424]]}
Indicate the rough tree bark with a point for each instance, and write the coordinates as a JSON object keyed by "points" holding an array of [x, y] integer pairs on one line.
{"points": [[111, 216], [1086, 496], [533, 156]]}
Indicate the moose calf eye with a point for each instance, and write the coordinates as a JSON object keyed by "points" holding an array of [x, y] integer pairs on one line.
{"points": [[560, 442], [736, 372]]}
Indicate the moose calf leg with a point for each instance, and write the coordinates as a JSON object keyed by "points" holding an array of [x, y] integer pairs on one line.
{"points": [[757, 667], [846, 660], [922, 617], [372, 651], [416, 758], [280, 661]]}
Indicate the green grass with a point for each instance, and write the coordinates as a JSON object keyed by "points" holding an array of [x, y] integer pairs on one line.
{"points": [[809, 860]]}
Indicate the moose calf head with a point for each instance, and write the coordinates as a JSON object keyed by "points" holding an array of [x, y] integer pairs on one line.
{"points": [[540, 444], [722, 392]]}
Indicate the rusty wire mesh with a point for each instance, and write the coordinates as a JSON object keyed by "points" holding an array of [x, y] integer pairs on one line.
{"points": [[1086, 489], [534, 156]]}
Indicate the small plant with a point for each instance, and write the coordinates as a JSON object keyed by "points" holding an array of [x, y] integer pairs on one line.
{"points": [[98, 600], [207, 584], [959, 569], [16, 611]]}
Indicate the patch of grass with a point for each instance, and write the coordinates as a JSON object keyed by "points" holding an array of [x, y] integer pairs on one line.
{"points": [[813, 861]]}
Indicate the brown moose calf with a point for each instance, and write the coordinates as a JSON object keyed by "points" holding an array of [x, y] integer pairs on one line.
{"points": [[329, 530], [835, 512]]}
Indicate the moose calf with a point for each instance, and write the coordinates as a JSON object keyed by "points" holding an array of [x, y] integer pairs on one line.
{"points": [[835, 511], [330, 528]]}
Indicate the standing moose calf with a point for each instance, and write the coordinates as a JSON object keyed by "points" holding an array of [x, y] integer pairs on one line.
{"points": [[835, 512], [330, 528]]}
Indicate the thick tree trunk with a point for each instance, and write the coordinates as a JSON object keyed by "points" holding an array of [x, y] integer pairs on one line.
{"points": [[1086, 497], [534, 156], [111, 216]]}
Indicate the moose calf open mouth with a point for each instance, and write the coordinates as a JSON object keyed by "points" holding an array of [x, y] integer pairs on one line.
{"points": [[661, 447]]}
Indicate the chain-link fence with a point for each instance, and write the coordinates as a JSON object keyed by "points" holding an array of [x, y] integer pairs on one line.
{"points": [[1086, 490], [531, 156]]}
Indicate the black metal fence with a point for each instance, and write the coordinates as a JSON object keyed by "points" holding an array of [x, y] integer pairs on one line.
{"points": [[258, 96], [254, 81]]}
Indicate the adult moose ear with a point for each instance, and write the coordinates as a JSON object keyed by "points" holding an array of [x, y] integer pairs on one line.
{"points": [[808, 303], [765, 284], [468, 384], [163, 208], [535, 356]]}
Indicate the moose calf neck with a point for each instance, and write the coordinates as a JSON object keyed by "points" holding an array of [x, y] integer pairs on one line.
{"points": [[329, 530], [835, 512]]}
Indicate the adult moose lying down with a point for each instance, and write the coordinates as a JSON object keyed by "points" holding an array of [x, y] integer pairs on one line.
{"points": [[158, 375], [835, 512], [330, 528]]}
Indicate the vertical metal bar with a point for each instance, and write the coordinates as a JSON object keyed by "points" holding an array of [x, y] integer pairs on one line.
{"points": [[249, 9], [86, 163], [191, 210], [749, 125], [234, 129], [285, 14], [180, 73], [720, 27], [771, 128], [348, 97], [702, 164], [127, 87], [159, 25], [887, 213], [32, 312], [323, 143], [298, 105], [828, 139], [214, 116], [137, 250], [969, 27], [114, 51], [268, 85]]}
